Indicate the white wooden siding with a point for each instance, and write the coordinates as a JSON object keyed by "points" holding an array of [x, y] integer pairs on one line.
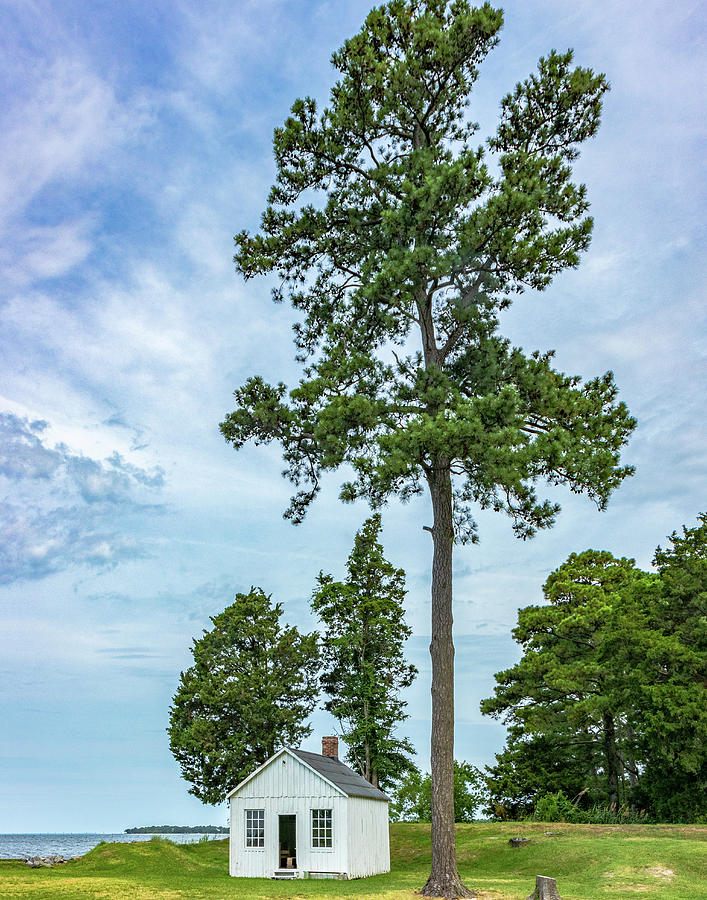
{"points": [[285, 789], [287, 776], [369, 837]]}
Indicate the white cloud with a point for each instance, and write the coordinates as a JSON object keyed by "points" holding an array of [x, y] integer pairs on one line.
{"points": [[65, 509], [69, 119], [40, 252], [63, 127], [222, 37]]}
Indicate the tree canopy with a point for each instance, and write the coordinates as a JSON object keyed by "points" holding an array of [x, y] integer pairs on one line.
{"points": [[412, 797], [400, 239], [251, 688], [577, 676], [419, 239], [363, 663], [673, 740], [608, 701]]}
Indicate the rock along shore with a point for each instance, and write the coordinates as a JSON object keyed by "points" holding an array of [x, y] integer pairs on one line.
{"points": [[37, 862]]}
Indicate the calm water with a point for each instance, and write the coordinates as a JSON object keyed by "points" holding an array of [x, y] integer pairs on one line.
{"points": [[21, 846]]}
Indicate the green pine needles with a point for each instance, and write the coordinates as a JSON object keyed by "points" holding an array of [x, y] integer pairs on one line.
{"points": [[363, 663], [400, 238], [418, 240], [608, 703]]}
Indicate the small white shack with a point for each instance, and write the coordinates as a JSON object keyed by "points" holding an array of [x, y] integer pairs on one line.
{"points": [[307, 815]]}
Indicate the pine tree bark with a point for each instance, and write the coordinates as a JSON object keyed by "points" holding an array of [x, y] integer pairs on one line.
{"points": [[444, 880], [631, 767], [367, 746]]}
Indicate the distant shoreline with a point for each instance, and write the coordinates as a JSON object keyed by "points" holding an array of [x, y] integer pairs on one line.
{"points": [[178, 829], [69, 845]]}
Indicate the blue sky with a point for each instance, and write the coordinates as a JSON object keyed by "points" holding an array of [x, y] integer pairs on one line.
{"points": [[135, 143]]}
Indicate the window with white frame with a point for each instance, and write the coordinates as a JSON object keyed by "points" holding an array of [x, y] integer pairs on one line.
{"points": [[321, 828], [255, 828]]}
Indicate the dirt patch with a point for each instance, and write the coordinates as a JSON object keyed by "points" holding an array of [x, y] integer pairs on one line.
{"points": [[624, 875], [660, 872]]}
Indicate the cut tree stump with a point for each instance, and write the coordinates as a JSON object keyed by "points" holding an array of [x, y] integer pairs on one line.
{"points": [[545, 889]]}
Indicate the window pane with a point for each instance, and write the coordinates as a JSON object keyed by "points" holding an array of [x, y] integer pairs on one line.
{"points": [[321, 828], [255, 828]]}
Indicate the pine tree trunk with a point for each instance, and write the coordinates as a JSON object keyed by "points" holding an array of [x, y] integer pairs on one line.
{"points": [[632, 772], [366, 746], [612, 760], [444, 880]]}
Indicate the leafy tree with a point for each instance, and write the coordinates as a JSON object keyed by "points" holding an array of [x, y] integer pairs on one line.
{"points": [[400, 273], [577, 681], [412, 798], [249, 692], [364, 667], [608, 700], [531, 765], [673, 736]]}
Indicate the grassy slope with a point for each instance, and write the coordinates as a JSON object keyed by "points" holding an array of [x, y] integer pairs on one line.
{"points": [[589, 862]]}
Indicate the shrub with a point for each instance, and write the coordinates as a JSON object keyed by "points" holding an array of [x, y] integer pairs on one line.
{"points": [[556, 807]]}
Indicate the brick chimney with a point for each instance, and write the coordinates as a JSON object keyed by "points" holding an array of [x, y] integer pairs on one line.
{"points": [[330, 747]]}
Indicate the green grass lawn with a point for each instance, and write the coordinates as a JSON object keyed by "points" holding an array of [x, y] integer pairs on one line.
{"points": [[665, 862]]}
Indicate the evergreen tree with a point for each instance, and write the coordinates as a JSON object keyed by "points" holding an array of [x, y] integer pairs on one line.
{"points": [[251, 688], [364, 667], [531, 765], [400, 272], [673, 736], [577, 682], [609, 699]]}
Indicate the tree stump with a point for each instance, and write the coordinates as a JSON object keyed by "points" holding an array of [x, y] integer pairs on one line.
{"points": [[545, 889]]}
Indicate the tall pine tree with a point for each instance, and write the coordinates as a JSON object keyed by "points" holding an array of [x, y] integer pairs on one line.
{"points": [[364, 666], [399, 244]]}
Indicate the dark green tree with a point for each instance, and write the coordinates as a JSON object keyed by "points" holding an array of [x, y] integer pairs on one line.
{"points": [[673, 736], [578, 680], [412, 797], [609, 700], [364, 666], [250, 690], [531, 765], [400, 244]]}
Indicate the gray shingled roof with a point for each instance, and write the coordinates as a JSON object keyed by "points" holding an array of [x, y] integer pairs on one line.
{"points": [[340, 775]]}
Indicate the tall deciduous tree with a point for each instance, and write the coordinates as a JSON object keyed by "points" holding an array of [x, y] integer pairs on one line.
{"points": [[400, 273], [364, 666], [251, 688]]}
